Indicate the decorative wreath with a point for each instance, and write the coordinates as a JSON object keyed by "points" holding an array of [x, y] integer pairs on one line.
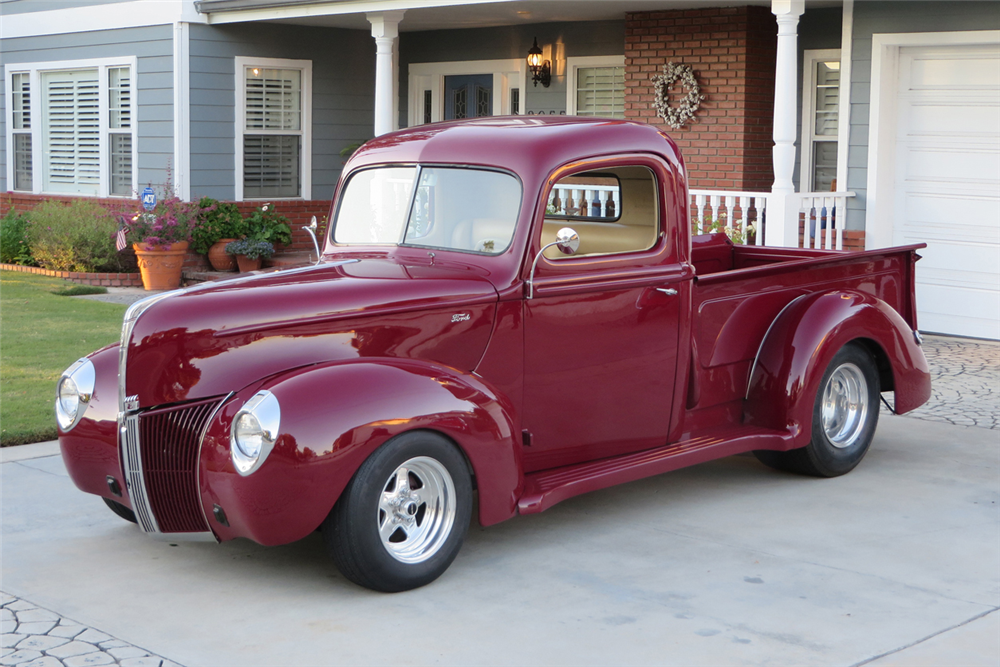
{"points": [[676, 117]]}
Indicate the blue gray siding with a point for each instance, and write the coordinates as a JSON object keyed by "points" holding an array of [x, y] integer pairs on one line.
{"points": [[343, 82], [153, 49], [25, 6], [580, 38], [895, 17]]}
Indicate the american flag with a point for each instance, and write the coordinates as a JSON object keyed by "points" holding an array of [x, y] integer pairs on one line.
{"points": [[120, 242]]}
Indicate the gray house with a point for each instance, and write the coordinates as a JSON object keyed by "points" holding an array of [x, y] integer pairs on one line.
{"points": [[851, 123]]}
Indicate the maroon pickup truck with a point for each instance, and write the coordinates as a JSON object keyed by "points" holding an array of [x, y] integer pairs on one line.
{"points": [[463, 335]]}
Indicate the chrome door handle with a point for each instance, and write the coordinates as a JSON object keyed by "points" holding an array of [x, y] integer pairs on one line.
{"points": [[669, 291]]}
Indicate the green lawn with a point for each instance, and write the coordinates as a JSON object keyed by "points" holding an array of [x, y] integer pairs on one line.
{"points": [[41, 335]]}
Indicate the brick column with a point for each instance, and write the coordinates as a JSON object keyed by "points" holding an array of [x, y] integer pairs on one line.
{"points": [[732, 51]]}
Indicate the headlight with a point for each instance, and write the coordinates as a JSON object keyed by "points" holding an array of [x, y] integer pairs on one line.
{"points": [[73, 393], [254, 432]]}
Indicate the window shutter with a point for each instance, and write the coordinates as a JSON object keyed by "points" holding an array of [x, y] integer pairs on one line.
{"points": [[71, 131], [272, 143], [600, 91], [271, 165]]}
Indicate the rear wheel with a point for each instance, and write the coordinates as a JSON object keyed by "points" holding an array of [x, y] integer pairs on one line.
{"points": [[845, 414], [402, 519], [120, 510]]}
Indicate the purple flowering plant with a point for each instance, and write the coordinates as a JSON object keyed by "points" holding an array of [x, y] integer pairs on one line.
{"points": [[171, 221]]}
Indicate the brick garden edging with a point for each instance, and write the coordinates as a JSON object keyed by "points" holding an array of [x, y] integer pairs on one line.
{"points": [[98, 279]]}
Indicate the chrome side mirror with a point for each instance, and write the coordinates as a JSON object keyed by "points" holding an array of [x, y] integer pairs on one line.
{"points": [[568, 242], [311, 228]]}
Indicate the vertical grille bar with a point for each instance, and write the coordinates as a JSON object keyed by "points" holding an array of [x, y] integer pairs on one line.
{"points": [[133, 474]]}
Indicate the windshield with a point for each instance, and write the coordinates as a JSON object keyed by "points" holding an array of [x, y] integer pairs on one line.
{"points": [[472, 210]]}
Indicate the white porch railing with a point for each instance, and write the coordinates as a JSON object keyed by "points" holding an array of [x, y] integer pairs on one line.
{"points": [[598, 201], [816, 222]]}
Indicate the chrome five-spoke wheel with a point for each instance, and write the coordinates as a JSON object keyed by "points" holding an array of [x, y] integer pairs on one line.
{"points": [[417, 510], [403, 517]]}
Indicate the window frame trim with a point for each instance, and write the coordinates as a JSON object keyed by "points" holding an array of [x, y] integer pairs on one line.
{"points": [[305, 131], [575, 63], [809, 59], [35, 71]]}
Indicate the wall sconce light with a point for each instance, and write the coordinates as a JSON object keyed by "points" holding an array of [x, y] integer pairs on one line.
{"points": [[541, 71]]}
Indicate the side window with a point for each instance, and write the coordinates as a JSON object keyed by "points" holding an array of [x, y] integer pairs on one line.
{"points": [[613, 210]]}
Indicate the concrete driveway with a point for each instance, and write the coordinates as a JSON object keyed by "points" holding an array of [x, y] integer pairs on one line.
{"points": [[727, 563]]}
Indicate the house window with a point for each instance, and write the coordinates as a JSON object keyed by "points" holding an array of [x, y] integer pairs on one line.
{"points": [[596, 86], [70, 127], [820, 120], [273, 128]]}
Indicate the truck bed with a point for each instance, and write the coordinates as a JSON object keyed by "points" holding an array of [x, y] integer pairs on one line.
{"points": [[739, 290]]}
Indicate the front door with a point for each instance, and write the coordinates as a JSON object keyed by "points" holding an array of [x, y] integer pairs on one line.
{"points": [[468, 96], [601, 333]]}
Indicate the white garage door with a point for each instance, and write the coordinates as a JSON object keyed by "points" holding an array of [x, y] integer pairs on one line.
{"points": [[947, 184]]}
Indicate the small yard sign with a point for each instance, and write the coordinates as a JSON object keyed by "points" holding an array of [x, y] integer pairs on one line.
{"points": [[148, 199]]}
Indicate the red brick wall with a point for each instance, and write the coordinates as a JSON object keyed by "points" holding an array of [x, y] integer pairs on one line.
{"points": [[732, 50]]}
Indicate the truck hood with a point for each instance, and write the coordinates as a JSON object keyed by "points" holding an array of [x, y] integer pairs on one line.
{"points": [[210, 340]]}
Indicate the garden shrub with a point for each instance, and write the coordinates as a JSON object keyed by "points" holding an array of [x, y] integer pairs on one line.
{"points": [[14, 248], [218, 220], [78, 236]]}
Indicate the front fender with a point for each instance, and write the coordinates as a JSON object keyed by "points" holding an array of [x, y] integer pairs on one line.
{"points": [[333, 416], [802, 341]]}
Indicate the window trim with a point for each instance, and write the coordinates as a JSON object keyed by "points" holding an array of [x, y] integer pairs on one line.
{"points": [[574, 64], [305, 131], [35, 71], [809, 59], [507, 74]]}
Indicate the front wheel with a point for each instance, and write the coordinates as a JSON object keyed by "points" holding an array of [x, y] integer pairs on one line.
{"points": [[845, 414], [402, 519]]}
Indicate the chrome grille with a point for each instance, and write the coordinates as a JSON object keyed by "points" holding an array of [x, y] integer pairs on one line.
{"points": [[170, 439]]}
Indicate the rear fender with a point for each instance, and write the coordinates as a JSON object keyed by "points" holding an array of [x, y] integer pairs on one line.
{"points": [[802, 341], [333, 416]]}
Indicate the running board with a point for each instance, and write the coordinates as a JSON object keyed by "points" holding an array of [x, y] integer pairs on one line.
{"points": [[544, 489]]}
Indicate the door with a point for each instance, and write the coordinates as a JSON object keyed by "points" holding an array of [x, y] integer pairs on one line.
{"points": [[601, 331], [468, 96], [947, 183]]}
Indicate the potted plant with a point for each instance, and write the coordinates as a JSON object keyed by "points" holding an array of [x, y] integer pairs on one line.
{"points": [[264, 224], [160, 238], [250, 253], [218, 224]]}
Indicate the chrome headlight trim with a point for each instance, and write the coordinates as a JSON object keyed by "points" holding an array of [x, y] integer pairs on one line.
{"points": [[81, 377], [251, 448]]}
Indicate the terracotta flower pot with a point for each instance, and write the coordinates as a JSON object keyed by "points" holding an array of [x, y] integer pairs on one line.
{"points": [[219, 258], [247, 264], [160, 269]]}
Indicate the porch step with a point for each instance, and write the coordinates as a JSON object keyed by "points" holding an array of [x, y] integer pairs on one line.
{"points": [[191, 277], [544, 489]]}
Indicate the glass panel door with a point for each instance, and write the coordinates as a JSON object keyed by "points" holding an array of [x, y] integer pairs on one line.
{"points": [[468, 96]]}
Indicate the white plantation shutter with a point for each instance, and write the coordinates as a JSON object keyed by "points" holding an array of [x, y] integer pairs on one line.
{"points": [[71, 131], [21, 130], [600, 91], [272, 139]]}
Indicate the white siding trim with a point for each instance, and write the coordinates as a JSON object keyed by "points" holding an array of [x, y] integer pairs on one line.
{"points": [[507, 74], [882, 118], [182, 111], [575, 63], [35, 71], [114, 16], [844, 118], [306, 156]]}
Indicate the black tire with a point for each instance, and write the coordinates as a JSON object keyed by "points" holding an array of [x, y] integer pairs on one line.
{"points": [[841, 439], [391, 535], [120, 510]]}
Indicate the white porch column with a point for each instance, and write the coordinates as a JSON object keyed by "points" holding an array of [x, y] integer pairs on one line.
{"points": [[385, 30], [782, 207]]}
